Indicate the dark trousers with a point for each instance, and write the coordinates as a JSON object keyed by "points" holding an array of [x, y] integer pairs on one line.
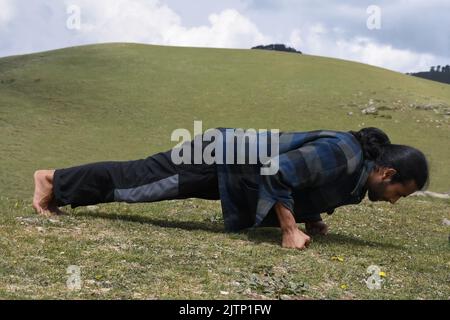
{"points": [[155, 178]]}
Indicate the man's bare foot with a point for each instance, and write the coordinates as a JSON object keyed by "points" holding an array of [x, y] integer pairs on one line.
{"points": [[43, 199]]}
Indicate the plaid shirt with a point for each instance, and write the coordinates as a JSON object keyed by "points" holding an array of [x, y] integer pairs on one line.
{"points": [[318, 171]]}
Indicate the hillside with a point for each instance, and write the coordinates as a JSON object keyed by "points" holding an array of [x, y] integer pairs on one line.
{"points": [[122, 101]]}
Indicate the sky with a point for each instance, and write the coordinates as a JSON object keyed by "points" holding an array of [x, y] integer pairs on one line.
{"points": [[401, 35]]}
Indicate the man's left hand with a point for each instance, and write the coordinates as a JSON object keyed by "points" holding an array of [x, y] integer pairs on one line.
{"points": [[315, 228]]}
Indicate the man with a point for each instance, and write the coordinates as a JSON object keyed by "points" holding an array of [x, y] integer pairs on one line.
{"points": [[318, 171]]}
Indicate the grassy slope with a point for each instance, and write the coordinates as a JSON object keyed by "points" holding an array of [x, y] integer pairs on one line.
{"points": [[121, 102]]}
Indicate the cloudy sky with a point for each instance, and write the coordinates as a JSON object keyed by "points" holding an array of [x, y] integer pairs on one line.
{"points": [[403, 35]]}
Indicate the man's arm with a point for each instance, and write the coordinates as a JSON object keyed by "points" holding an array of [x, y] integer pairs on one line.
{"points": [[292, 236], [315, 164]]}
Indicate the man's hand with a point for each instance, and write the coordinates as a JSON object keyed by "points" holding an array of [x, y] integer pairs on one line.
{"points": [[292, 236], [295, 239], [315, 228]]}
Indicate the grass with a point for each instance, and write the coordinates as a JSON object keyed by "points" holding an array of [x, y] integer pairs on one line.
{"points": [[177, 249], [122, 101]]}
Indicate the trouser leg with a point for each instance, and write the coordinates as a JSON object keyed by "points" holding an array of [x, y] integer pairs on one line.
{"points": [[152, 179]]}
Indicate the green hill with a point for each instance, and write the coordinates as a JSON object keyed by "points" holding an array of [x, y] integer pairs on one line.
{"points": [[122, 101]]}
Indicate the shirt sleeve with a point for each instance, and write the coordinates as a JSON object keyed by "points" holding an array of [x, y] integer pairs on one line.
{"points": [[314, 164]]}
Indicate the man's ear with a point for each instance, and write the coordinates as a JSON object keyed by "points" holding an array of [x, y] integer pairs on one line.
{"points": [[388, 173]]}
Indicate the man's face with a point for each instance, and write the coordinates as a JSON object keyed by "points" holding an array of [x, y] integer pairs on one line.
{"points": [[381, 188]]}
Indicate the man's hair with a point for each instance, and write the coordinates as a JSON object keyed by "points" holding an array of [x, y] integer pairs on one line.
{"points": [[410, 163]]}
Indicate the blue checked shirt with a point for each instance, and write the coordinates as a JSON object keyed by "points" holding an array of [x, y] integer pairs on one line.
{"points": [[318, 171]]}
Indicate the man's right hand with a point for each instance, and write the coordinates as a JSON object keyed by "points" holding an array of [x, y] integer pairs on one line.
{"points": [[292, 236], [295, 239]]}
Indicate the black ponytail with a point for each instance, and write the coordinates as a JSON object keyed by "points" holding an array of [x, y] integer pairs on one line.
{"points": [[372, 141], [410, 163]]}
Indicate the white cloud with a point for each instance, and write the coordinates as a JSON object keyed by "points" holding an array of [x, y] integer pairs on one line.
{"points": [[42, 25], [340, 31], [382, 55], [152, 22], [6, 12], [228, 29], [124, 20], [317, 40]]}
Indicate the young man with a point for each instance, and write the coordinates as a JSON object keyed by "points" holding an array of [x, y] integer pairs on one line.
{"points": [[318, 171]]}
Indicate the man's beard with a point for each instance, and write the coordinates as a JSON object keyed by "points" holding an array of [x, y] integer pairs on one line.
{"points": [[376, 194], [373, 196]]}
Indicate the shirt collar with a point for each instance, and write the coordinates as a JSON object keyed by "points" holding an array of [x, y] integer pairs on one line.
{"points": [[360, 189]]}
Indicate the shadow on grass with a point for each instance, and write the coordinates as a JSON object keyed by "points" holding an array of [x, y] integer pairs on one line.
{"points": [[185, 225], [348, 240], [273, 236], [258, 235]]}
